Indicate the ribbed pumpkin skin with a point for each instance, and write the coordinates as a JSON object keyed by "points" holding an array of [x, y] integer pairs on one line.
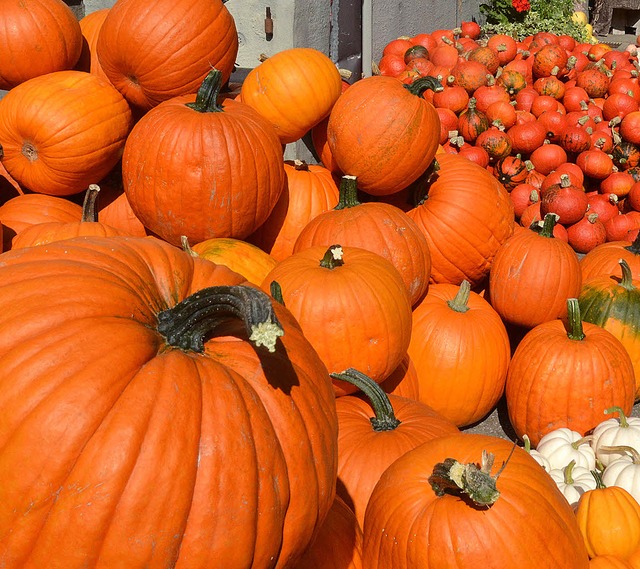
{"points": [[408, 526], [44, 233], [153, 51], [384, 135], [131, 449], [355, 315], [293, 89], [36, 37], [604, 302], [461, 357], [339, 541], [203, 175], [532, 277], [364, 453], [466, 216], [63, 131], [309, 191], [554, 381]]}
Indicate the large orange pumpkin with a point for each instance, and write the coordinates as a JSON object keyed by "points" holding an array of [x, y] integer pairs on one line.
{"points": [[466, 215], [413, 521], [197, 169], [154, 51], [566, 375], [63, 131], [36, 37], [138, 430], [384, 133], [293, 89], [352, 306]]}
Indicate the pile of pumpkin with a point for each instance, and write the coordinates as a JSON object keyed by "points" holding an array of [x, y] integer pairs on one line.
{"points": [[213, 357], [556, 121]]}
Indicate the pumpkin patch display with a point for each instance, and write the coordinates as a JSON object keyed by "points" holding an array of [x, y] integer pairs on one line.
{"points": [[138, 382], [196, 168]]}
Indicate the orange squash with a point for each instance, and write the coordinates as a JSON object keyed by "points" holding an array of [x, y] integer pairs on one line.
{"points": [[566, 376], [460, 348], [330, 289], [384, 133]]}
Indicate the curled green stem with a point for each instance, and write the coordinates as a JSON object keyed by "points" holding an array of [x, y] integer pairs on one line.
{"points": [[188, 324]]}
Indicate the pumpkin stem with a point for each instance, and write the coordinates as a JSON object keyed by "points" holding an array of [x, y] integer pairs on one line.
{"points": [[635, 246], [545, 228], [348, 192], [189, 323], [184, 241], [627, 278], [384, 419], [300, 165], [207, 96], [598, 478], [635, 455], [276, 292], [333, 257], [420, 85], [622, 417], [460, 303], [471, 480], [568, 472], [575, 321], [89, 212]]}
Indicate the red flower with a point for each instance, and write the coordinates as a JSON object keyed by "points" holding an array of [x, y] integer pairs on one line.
{"points": [[521, 5]]}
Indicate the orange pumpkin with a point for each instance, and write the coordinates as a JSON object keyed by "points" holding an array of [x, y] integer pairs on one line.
{"points": [[20, 212], [195, 168], [609, 520], [310, 190], [384, 133], [36, 37], [90, 26], [63, 131], [152, 52], [566, 376], [242, 257], [43, 233], [413, 520], [466, 215], [293, 89], [604, 260], [533, 275], [126, 416], [328, 290], [373, 431], [460, 349]]}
